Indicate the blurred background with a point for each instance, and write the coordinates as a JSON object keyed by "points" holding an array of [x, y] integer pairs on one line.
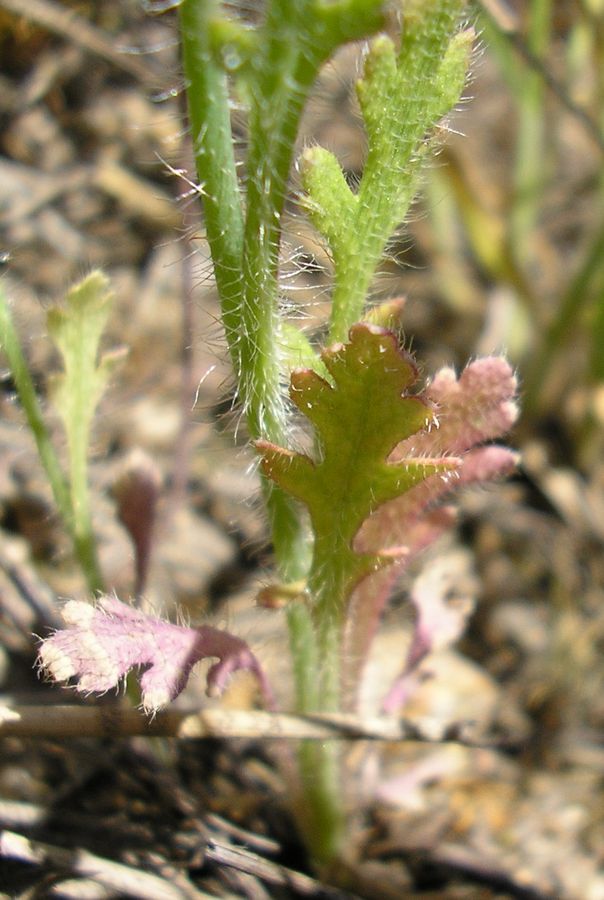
{"points": [[503, 251]]}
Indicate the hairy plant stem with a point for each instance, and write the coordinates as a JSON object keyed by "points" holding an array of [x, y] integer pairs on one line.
{"points": [[210, 124], [319, 806], [250, 320], [319, 684], [285, 71], [295, 38], [245, 254]]}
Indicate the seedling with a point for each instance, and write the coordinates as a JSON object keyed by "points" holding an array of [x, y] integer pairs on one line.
{"points": [[371, 489]]}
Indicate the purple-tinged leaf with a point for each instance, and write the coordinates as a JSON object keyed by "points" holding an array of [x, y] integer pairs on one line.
{"points": [[477, 407], [102, 643], [440, 620], [371, 596]]}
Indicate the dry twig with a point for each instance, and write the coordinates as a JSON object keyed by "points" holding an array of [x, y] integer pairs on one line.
{"points": [[119, 721]]}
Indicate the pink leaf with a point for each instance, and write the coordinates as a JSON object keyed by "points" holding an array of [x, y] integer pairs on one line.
{"points": [[478, 406], [101, 644], [440, 620]]}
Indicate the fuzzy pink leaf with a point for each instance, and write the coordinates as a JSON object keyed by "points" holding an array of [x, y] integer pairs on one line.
{"points": [[440, 621], [102, 643], [479, 406]]}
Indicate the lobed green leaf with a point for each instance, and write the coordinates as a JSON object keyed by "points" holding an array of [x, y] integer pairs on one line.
{"points": [[358, 418], [76, 329]]}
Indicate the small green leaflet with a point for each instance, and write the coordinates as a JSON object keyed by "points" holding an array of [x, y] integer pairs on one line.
{"points": [[76, 329], [358, 421]]}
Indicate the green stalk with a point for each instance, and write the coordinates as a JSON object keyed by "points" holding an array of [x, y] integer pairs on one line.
{"points": [[210, 124], [279, 64], [319, 806], [76, 515], [320, 810], [250, 323], [315, 642], [286, 70]]}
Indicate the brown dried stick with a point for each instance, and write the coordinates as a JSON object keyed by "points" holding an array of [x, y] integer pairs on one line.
{"points": [[116, 721]]}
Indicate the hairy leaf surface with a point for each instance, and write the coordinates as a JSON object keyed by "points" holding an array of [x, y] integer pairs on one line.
{"points": [[358, 419]]}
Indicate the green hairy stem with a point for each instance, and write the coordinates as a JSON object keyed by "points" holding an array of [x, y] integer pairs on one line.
{"points": [[283, 59], [251, 323], [270, 69]]}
